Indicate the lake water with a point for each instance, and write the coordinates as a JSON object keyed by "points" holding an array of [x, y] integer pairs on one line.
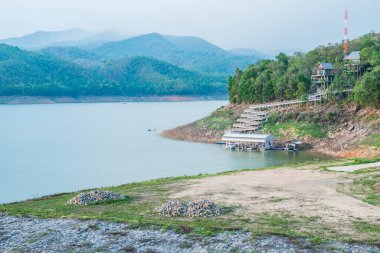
{"points": [[47, 149]]}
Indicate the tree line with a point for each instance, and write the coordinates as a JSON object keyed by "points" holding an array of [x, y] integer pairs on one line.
{"points": [[37, 74], [288, 77]]}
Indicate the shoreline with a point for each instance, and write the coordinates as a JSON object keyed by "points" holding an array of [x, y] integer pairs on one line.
{"points": [[346, 137], [277, 213], [69, 235], [14, 100]]}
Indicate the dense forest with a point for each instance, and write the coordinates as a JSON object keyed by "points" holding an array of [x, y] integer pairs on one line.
{"points": [[288, 77], [145, 65], [191, 53], [74, 72]]}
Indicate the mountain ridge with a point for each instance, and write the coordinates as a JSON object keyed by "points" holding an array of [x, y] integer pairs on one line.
{"points": [[37, 74]]}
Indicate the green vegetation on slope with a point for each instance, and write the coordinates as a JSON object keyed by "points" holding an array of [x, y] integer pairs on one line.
{"points": [[288, 77], [372, 140], [301, 129], [300, 123], [30, 73], [141, 75], [190, 53], [221, 119]]}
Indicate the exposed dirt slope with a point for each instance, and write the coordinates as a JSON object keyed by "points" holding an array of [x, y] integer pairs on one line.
{"points": [[209, 129], [349, 130], [336, 130]]}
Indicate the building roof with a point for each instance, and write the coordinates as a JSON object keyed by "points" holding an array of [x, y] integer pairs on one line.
{"points": [[247, 137], [326, 65], [355, 55], [296, 141]]}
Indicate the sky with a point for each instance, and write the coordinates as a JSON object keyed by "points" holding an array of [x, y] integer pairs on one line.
{"points": [[258, 24]]}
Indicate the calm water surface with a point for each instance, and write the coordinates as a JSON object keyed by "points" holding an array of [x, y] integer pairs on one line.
{"points": [[46, 149]]}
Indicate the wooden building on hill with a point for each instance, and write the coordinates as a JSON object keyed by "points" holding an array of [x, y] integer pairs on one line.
{"points": [[323, 75], [353, 64]]}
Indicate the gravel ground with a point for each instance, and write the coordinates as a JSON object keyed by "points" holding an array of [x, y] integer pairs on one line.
{"points": [[67, 235]]}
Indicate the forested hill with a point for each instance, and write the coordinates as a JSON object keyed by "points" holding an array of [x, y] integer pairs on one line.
{"points": [[188, 52], [288, 77], [43, 74]]}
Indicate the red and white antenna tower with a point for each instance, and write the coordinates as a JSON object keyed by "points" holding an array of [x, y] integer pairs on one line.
{"points": [[345, 46]]}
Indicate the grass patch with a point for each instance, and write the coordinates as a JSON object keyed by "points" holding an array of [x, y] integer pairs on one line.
{"points": [[138, 211], [372, 140], [358, 161], [301, 129], [362, 226], [365, 188], [221, 119]]}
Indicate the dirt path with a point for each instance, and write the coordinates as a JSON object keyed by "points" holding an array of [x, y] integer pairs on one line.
{"points": [[352, 168], [302, 193]]}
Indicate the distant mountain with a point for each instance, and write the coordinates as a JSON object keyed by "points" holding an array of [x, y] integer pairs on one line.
{"points": [[160, 78], [29, 73], [285, 51], [80, 62], [188, 52], [95, 40], [68, 38], [75, 55], [52, 73], [191, 53], [252, 52], [196, 45], [43, 39]]}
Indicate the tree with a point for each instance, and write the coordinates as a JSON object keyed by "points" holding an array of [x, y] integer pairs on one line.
{"points": [[367, 91]]}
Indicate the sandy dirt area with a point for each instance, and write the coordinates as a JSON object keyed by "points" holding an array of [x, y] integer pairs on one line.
{"points": [[300, 192]]}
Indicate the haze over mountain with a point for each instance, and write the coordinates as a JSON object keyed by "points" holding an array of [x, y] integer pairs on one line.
{"points": [[42, 39], [188, 52], [73, 37], [77, 62], [252, 52]]}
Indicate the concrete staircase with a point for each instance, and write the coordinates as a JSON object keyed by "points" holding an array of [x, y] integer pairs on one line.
{"points": [[254, 117]]}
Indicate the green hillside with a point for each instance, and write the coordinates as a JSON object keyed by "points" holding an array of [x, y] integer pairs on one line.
{"points": [[142, 75], [55, 72], [188, 52], [288, 77], [28, 73]]}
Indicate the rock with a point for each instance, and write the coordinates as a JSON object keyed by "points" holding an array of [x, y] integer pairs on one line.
{"points": [[56, 235], [203, 208], [94, 197], [200, 208], [172, 208]]}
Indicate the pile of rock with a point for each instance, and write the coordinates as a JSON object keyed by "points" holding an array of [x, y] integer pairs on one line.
{"points": [[172, 208], [203, 208], [94, 197], [200, 208]]}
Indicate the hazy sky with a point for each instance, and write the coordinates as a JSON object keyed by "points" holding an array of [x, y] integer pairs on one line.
{"points": [[261, 24]]}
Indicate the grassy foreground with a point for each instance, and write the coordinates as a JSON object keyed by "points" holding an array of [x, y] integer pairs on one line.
{"points": [[138, 209]]}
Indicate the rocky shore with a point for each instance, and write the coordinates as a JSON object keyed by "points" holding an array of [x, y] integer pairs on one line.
{"points": [[347, 128], [209, 129], [68, 235]]}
